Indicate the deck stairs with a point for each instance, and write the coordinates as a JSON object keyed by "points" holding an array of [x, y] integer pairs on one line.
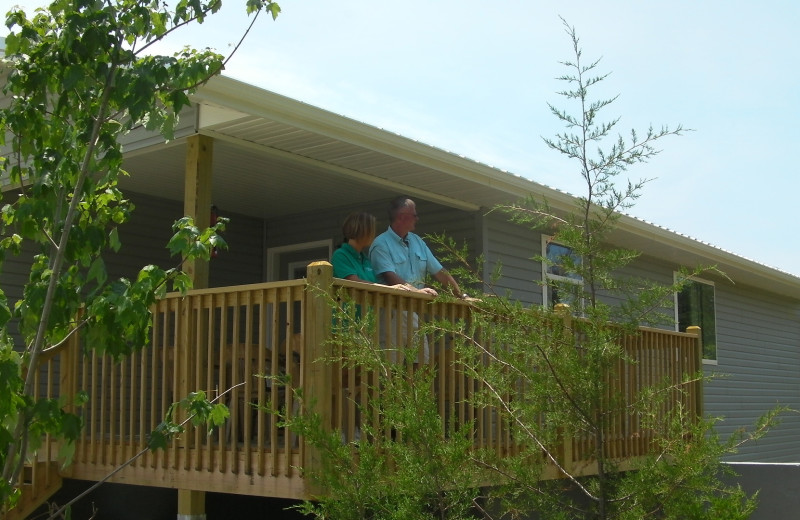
{"points": [[40, 480]]}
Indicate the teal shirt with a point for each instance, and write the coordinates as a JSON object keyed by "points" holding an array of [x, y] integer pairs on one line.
{"points": [[347, 261]]}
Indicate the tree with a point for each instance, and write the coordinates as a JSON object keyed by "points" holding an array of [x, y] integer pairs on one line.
{"points": [[80, 76], [562, 374], [551, 371]]}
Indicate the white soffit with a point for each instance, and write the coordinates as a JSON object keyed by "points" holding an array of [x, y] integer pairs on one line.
{"points": [[211, 115]]}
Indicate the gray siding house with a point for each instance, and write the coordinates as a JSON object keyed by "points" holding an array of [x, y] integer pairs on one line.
{"points": [[287, 173]]}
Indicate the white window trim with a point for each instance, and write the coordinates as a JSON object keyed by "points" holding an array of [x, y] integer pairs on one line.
{"points": [[273, 255], [676, 276], [548, 276]]}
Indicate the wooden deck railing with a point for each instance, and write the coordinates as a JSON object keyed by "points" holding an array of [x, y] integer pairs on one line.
{"points": [[220, 340], [656, 359], [396, 312], [40, 478], [232, 343]]}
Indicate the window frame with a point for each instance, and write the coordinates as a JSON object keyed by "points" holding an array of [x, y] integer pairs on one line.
{"points": [[548, 239], [677, 277], [274, 254]]}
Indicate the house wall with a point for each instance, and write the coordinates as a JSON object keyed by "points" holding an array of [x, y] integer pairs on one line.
{"points": [[758, 354], [13, 276], [511, 246], [758, 341], [144, 239], [758, 363]]}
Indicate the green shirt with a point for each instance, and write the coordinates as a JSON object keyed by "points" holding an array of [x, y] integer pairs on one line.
{"points": [[347, 261]]}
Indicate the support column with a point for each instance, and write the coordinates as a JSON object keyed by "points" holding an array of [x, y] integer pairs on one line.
{"points": [[196, 204], [197, 197], [191, 504]]}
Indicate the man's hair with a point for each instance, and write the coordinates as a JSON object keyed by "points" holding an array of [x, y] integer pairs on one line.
{"points": [[358, 225], [398, 204]]}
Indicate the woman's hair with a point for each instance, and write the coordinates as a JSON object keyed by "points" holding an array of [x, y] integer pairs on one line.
{"points": [[358, 225]]}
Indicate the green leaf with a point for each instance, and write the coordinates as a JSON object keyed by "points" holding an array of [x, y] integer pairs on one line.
{"points": [[97, 271], [219, 414], [5, 312]]}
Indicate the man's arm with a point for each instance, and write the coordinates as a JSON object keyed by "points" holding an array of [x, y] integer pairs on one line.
{"points": [[447, 280], [391, 278]]}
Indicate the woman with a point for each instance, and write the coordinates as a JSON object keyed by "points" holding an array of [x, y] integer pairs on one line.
{"points": [[350, 261]]}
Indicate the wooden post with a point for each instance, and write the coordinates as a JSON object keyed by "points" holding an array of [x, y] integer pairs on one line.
{"points": [[563, 311], [699, 360], [191, 504], [317, 374], [196, 204], [197, 197]]}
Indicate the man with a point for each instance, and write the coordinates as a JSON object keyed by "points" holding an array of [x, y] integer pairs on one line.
{"points": [[400, 256]]}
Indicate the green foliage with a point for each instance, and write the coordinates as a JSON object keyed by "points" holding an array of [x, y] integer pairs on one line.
{"points": [[552, 375], [564, 372], [80, 76], [201, 412], [407, 462]]}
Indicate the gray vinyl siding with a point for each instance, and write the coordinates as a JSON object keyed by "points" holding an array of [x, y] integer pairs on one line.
{"points": [[758, 352], [758, 342], [758, 362], [144, 237], [461, 226], [16, 270], [243, 261], [651, 270], [513, 246], [144, 241]]}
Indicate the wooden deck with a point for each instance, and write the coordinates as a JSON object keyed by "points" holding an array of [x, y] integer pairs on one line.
{"points": [[219, 340]]}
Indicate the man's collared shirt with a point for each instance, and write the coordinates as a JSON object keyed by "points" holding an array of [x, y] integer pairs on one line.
{"points": [[410, 259]]}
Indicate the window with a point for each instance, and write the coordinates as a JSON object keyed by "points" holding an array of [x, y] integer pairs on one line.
{"points": [[560, 285], [694, 306]]}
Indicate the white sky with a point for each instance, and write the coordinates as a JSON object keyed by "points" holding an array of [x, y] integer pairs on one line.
{"points": [[474, 78]]}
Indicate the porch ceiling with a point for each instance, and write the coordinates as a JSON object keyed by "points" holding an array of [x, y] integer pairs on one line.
{"points": [[248, 181], [267, 168]]}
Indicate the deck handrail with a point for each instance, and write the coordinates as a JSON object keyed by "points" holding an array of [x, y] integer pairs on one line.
{"points": [[215, 339]]}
